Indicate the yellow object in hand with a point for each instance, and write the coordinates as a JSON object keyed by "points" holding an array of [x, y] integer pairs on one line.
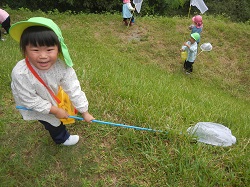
{"points": [[66, 105], [183, 55]]}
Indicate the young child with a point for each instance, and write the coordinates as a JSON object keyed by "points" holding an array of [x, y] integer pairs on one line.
{"points": [[197, 27], [191, 48], [4, 21], [128, 18], [42, 43]]}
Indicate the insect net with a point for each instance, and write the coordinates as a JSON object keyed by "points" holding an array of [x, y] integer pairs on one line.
{"points": [[206, 47]]}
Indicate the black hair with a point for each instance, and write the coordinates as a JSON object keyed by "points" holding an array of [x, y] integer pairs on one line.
{"points": [[39, 36]]}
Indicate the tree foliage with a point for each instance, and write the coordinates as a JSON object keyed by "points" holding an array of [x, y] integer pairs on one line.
{"points": [[237, 10]]}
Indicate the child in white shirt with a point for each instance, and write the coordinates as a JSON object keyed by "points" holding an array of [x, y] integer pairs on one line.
{"points": [[42, 44], [191, 48]]}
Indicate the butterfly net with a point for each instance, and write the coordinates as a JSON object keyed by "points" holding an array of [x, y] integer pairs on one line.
{"points": [[206, 47]]}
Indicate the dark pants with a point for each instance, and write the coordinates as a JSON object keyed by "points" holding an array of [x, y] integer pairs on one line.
{"points": [[126, 20], [58, 134], [188, 66], [6, 24]]}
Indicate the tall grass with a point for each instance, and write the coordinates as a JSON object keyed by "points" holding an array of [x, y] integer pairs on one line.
{"points": [[134, 76]]}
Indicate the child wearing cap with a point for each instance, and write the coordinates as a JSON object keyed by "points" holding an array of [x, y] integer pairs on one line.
{"points": [[191, 48], [4, 21], [197, 27], [126, 13], [45, 52]]}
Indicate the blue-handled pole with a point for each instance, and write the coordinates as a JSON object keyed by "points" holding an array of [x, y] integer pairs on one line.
{"points": [[103, 122]]}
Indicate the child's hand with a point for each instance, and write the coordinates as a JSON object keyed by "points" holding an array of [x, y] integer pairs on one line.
{"points": [[191, 26], [59, 112], [186, 44], [87, 117]]}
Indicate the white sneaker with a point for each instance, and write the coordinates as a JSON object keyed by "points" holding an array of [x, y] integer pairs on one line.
{"points": [[72, 140]]}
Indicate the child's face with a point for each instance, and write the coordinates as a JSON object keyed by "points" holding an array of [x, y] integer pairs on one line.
{"points": [[192, 40], [42, 57]]}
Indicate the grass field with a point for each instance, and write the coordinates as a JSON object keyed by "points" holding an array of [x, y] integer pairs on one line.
{"points": [[134, 76]]}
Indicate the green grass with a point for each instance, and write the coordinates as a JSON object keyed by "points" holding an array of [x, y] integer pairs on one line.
{"points": [[134, 76]]}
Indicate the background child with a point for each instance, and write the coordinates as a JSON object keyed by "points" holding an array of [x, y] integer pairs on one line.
{"points": [[41, 42], [197, 27], [126, 13], [191, 48], [4, 21]]}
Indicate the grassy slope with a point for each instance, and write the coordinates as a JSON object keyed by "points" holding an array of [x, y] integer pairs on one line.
{"points": [[134, 76]]}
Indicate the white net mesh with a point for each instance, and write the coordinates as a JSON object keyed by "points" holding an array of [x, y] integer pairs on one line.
{"points": [[206, 47], [138, 5]]}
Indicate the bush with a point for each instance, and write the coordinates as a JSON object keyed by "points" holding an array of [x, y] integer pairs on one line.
{"points": [[236, 10]]}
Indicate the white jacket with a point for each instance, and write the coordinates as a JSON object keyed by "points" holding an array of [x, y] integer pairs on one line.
{"points": [[192, 51], [30, 93]]}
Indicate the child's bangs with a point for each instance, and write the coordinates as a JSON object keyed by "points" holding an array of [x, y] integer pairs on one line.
{"points": [[39, 36]]}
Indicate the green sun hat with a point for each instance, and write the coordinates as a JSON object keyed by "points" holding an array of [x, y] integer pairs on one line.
{"points": [[195, 36], [17, 29]]}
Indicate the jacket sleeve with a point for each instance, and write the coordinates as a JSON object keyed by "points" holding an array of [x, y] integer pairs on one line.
{"points": [[72, 87], [130, 6]]}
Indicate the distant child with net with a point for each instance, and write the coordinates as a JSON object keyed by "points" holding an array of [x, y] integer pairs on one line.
{"points": [[128, 17], [191, 47], [197, 26]]}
